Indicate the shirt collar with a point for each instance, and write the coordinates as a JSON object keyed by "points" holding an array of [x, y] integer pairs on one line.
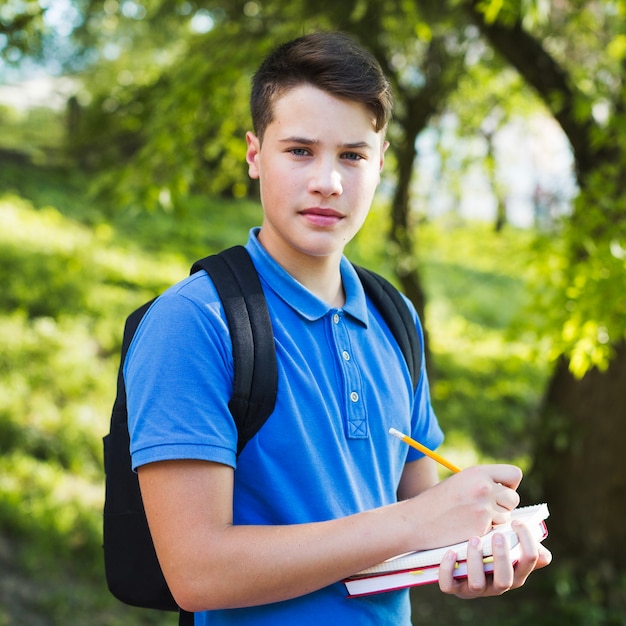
{"points": [[296, 295]]}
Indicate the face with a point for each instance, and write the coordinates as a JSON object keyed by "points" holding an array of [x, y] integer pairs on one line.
{"points": [[318, 166]]}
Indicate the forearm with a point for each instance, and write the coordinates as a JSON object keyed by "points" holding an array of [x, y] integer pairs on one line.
{"points": [[252, 565], [260, 564], [210, 563]]}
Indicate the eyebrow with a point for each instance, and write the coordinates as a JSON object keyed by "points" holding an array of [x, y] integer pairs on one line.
{"points": [[313, 142]]}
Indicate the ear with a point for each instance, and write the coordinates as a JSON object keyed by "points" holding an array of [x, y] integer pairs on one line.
{"points": [[252, 154], [382, 155]]}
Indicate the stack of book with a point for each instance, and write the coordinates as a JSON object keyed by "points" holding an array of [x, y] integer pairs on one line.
{"points": [[422, 567]]}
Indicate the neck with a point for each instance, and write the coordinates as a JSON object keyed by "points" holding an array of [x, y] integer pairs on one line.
{"points": [[319, 274]]}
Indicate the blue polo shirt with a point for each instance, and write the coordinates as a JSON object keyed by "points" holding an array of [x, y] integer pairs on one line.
{"points": [[325, 451]]}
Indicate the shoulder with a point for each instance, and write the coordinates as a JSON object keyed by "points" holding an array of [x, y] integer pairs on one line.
{"points": [[187, 314], [192, 299]]}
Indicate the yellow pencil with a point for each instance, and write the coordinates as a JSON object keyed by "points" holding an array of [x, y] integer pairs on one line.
{"points": [[424, 450]]}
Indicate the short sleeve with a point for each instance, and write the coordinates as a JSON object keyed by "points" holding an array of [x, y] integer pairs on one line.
{"points": [[178, 376]]}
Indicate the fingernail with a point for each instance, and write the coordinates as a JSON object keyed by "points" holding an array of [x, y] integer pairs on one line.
{"points": [[475, 542]]}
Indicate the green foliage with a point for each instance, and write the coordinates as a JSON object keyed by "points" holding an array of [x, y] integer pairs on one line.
{"points": [[581, 54], [488, 378], [168, 112], [193, 133], [579, 279], [559, 600], [67, 287], [36, 134], [54, 512], [21, 29], [593, 282], [370, 246], [36, 410], [63, 300], [175, 123]]}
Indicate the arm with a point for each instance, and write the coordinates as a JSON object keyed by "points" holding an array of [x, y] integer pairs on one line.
{"points": [[209, 563]]}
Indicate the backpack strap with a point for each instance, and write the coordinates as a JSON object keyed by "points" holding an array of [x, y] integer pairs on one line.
{"points": [[396, 314], [185, 618], [254, 352]]}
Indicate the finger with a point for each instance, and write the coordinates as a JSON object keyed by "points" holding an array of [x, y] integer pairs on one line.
{"points": [[503, 572], [507, 475], [447, 582], [545, 557], [529, 556], [476, 578], [506, 498], [501, 516]]}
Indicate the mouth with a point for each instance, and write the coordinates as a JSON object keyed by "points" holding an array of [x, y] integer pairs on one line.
{"points": [[322, 217]]}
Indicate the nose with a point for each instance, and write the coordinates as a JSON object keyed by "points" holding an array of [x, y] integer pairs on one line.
{"points": [[325, 179]]}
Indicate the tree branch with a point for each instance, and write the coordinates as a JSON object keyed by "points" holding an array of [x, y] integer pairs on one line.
{"points": [[542, 72]]}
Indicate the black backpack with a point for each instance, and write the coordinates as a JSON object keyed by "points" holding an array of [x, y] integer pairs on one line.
{"points": [[132, 570]]}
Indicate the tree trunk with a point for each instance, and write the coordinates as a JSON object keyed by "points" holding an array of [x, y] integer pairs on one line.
{"points": [[579, 463], [402, 231], [418, 108]]}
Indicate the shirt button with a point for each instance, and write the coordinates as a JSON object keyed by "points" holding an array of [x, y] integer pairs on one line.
{"points": [[336, 318], [345, 355], [354, 396]]}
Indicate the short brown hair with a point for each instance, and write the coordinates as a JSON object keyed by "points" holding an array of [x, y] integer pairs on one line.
{"points": [[330, 61]]}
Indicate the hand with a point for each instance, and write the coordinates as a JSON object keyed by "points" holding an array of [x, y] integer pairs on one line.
{"points": [[505, 575], [468, 503]]}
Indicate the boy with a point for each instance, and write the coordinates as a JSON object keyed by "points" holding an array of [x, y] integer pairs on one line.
{"points": [[321, 491]]}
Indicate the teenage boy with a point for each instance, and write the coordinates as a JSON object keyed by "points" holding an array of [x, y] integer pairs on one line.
{"points": [[322, 491]]}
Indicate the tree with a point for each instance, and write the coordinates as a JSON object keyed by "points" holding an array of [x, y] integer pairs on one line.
{"points": [[575, 59]]}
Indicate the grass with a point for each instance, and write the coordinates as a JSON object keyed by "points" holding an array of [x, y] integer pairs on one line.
{"points": [[71, 271]]}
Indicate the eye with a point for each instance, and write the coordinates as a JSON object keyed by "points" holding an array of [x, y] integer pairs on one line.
{"points": [[352, 156], [299, 152]]}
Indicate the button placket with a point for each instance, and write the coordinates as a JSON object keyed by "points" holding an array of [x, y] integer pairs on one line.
{"points": [[356, 417]]}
